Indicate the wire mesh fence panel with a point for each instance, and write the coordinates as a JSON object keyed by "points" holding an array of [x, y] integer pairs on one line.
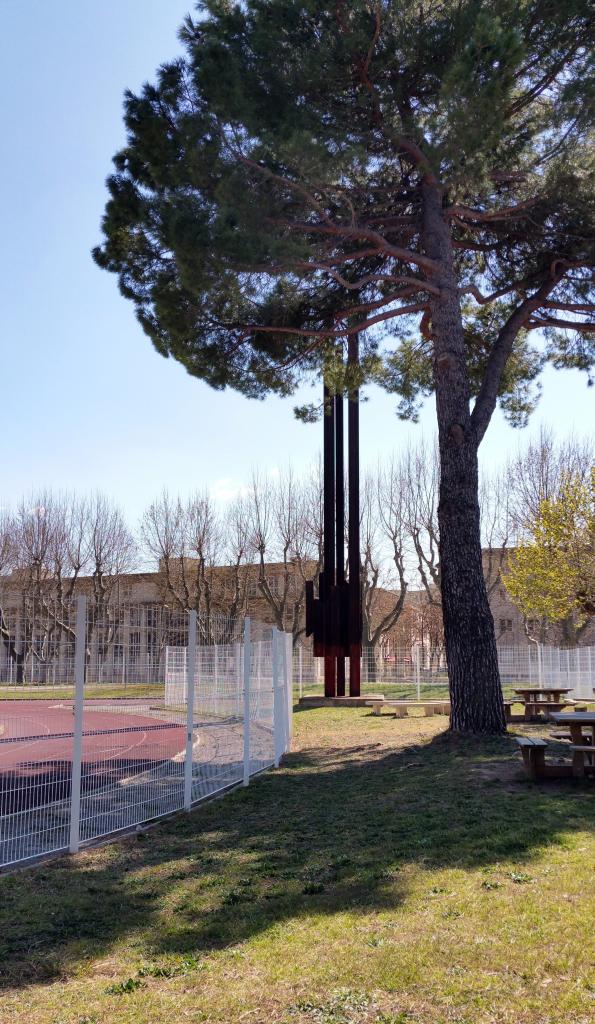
{"points": [[35, 780], [262, 727], [217, 747], [410, 672], [127, 643], [37, 647], [570, 667], [132, 766], [125, 740], [37, 638]]}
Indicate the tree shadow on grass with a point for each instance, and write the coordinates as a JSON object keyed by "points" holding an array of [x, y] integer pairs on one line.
{"points": [[330, 831]]}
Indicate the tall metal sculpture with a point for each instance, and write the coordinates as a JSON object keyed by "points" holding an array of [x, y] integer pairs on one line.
{"points": [[334, 618]]}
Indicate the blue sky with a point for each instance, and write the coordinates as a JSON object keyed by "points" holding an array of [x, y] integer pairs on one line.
{"points": [[85, 402]]}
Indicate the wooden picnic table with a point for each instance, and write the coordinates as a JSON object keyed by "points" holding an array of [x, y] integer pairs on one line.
{"points": [[542, 698], [582, 743]]}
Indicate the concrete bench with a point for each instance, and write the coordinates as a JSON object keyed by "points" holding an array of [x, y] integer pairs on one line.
{"points": [[533, 751], [400, 708]]}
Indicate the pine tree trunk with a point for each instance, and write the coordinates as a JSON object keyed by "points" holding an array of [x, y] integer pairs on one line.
{"points": [[475, 691]]}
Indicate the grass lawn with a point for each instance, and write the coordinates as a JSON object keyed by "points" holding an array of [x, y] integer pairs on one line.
{"points": [[408, 691], [385, 873], [93, 692]]}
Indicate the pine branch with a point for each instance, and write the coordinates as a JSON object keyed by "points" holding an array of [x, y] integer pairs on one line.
{"points": [[467, 213], [566, 325], [496, 363]]}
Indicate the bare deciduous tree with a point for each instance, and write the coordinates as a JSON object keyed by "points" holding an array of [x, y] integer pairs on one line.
{"points": [[238, 548], [421, 485], [56, 539], [185, 540], [539, 470], [286, 523], [383, 556]]}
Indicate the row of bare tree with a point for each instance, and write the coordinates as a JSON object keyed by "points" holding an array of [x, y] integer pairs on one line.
{"points": [[266, 543]]}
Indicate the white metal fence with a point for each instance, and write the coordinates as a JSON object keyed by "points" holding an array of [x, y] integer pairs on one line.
{"points": [[413, 671], [77, 768]]}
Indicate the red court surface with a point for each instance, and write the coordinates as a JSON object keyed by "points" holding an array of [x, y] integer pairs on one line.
{"points": [[36, 746]]}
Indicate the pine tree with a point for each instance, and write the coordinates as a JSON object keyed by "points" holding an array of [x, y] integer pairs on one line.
{"points": [[417, 172]]}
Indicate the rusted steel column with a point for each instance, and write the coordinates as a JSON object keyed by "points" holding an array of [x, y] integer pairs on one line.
{"points": [[353, 542], [340, 536], [327, 578]]}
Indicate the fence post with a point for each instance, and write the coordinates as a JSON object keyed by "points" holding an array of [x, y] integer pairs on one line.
{"points": [[238, 675], [190, 673], [287, 691], [79, 705], [247, 669], [301, 668], [539, 666], [277, 712], [417, 673]]}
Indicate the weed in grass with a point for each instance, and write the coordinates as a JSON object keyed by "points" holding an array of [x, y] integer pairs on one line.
{"points": [[340, 862], [237, 896], [274, 894], [491, 885], [313, 888], [122, 988], [185, 965], [79, 1020], [393, 1018], [343, 1007], [520, 877]]}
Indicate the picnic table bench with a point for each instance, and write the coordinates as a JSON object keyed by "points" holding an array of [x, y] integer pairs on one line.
{"points": [[582, 744], [538, 699], [401, 707], [533, 751]]}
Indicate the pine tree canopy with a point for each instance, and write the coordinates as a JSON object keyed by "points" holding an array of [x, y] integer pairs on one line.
{"points": [[276, 187]]}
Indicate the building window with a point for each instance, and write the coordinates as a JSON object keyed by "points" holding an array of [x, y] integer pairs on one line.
{"points": [[135, 646], [506, 625]]}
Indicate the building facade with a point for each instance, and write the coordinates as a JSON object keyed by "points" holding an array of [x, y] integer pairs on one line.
{"points": [[134, 619]]}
